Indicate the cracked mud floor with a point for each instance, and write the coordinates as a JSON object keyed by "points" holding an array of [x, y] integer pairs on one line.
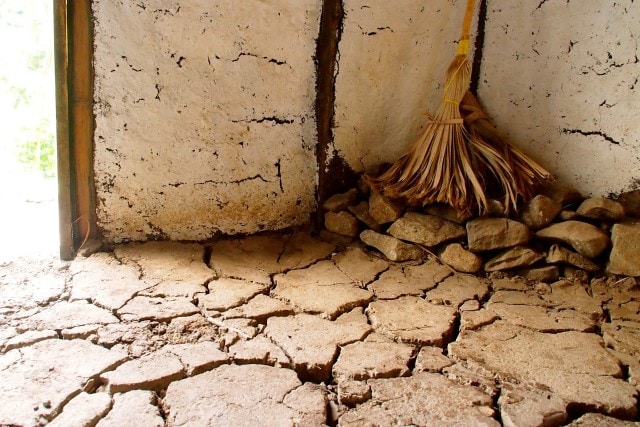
{"points": [[289, 330]]}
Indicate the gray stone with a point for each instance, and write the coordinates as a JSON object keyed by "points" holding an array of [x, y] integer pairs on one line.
{"points": [[38, 380], [359, 265], [340, 202], [431, 359], [256, 258], [625, 254], [560, 192], [382, 209], [486, 234], [409, 280], [199, 357], [342, 223], [448, 213], [159, 309], [425, 399], [513, 258], [365, 360], [599, 420], [312, 342], [413, 320], [244, 395], [351, 393], [548, 273], [152, 372], [260, 308], [427, 230], [394, 249], [65, 315], [259, 350], [28, 338], [321, 288], [135, 408], [225, 293], [585, 238], [361, 211], [631, 202], [559, 255], [105, 281], [457, 289], [540, 211], [601, 208], [574, 366], [530, 408], [460, 259], [84, 410]]}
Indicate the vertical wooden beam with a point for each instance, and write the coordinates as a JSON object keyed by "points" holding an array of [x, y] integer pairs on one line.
{"points": [[74, 90]]}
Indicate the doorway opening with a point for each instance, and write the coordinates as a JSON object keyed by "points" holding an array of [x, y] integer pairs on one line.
{"points": [[28, 177]]}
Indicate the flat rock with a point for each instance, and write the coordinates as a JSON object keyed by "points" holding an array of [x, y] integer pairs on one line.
{"points": [[351, 393], [189, 329], [540, 211], [321, 288], [559, 255], [625, 254], [105, 281], [547, 273], [394, 249], [408, 279], [585, 238], [340, 202], [424, 399], [530, 408], [259, 350], [602, 208], [431, 359], [225, 293], [83, 410], [198, 357], [31, 291], [460, 259], [359, 265], [427, 230], [361, 211], [38, 380], [413, 320], [519, 298], [513, 258], [151, 372], [566, 294], [382, 209], [543, 319], [473, 320], [168, 261], [366, 360], [27, 338], [65, 315], [342, 223], [135, 408], [448, 213], [574, 366], [457, 289], [159, 309], [623, 336], [312, 342], [599, 420], [260, 308], [244, 395], [256, 258], [486, 234]]}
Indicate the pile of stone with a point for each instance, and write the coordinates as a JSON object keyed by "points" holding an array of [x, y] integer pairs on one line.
{"points": [[558, 233]]}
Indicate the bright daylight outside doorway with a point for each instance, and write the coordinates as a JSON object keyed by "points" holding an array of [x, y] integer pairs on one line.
{"points": [[28, 186]]}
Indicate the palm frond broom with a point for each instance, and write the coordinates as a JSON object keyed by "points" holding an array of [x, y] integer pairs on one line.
{"points": [[460, 159]]}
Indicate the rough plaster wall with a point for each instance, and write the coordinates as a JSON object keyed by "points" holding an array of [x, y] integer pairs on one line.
{"points": [[392, 59], [204, 116], [561, 79]]}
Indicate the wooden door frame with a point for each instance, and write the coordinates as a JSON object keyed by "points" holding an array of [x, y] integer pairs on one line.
{"points": [[73, 38]]}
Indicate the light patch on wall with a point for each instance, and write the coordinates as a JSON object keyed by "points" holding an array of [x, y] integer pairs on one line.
{"points": [[204, 116], [391, 65], [561, 79]]}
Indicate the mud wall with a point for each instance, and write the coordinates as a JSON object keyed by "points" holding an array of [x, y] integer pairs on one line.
{"points": [[206, 110]]}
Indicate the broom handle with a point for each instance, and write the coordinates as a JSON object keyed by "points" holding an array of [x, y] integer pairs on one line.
{"points": [[463, 44]]}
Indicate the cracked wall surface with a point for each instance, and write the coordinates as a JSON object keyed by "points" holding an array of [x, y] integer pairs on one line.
{"points": [[391, 63], [204, 116], [561, 79]]}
